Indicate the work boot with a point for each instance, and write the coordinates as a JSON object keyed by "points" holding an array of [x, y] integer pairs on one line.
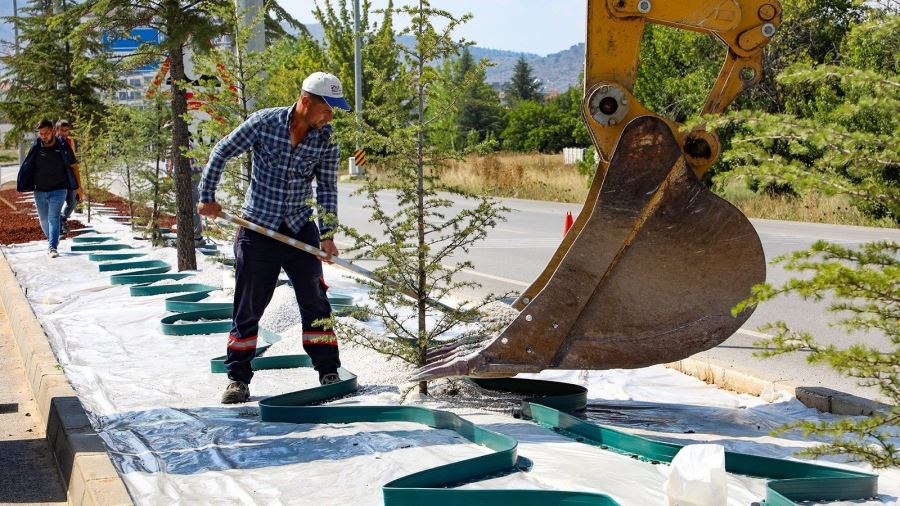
{"points": [[329, 379], [236, 392]]}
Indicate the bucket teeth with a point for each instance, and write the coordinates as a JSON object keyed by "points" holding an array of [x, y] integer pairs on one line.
{"points": [[451, 366], [463, 345]]}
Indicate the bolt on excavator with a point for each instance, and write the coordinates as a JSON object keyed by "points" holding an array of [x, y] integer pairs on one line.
{"points": [[655, 262]]}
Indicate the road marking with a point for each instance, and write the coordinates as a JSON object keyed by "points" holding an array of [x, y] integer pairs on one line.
{"points": [[746, 332], [496, 278], [511, 243], [753, 333], [511, 231], [491, 276]]}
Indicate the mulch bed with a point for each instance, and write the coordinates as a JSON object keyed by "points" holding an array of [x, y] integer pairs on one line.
{"points": [[18, 226]]}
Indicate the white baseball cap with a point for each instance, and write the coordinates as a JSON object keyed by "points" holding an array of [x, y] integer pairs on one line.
{"points": [[328, 87]]}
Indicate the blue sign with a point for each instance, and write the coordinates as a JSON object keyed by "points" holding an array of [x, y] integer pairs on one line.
{"points": [[131, 44]]}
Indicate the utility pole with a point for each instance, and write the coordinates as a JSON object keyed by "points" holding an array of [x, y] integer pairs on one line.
{"points": [[22, 151], [16, 24], [357, 84]]}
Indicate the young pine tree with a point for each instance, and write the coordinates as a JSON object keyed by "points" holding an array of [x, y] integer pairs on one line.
{"points": [[425, 233], [230, 93], [94, 139], [156, 191], [864, 293]]}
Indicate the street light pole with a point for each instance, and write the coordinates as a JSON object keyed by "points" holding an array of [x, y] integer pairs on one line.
{"points": [[16, 23], [358, 91], [21, 149]]}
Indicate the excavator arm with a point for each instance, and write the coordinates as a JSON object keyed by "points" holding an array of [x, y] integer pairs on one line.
{"points": [[614, 32], [615, 28], [654, 263]]}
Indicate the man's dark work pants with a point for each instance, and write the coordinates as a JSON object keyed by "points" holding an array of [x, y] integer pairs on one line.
{"points": [[259, 259]]}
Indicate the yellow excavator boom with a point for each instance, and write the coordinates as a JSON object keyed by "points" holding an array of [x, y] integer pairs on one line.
{"points": [[654, 262]]}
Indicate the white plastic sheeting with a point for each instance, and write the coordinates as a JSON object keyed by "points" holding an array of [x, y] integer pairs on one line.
{"points": [[155, 403], [697, 476]]}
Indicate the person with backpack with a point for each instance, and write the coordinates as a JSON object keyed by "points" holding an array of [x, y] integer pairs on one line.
{"points": [[48, 172]]}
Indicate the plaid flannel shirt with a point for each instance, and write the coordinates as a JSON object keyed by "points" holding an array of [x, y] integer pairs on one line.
{"points": [[281, 183]]}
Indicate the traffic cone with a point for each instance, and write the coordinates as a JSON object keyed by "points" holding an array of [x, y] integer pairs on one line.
{"points": [[568, 223]]}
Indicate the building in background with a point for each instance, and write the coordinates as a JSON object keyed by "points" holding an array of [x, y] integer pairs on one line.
{"points": [[138, 80]]}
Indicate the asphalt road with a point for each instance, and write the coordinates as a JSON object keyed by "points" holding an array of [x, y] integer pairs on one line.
{"points": [[8, 173], [516, 251]]}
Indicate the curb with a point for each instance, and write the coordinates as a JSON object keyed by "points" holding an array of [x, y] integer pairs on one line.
{"points": [[80, 454], [748, 381]]}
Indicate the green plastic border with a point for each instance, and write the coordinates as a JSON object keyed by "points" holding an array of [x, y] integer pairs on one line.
{"points": [[547, 403]]}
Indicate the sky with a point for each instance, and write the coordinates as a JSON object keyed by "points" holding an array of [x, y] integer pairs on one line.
{"points": [[530, 26]]}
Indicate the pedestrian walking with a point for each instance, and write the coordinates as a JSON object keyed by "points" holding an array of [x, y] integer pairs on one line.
{"points": [[292, 146], [48, 171], [73, 196]]}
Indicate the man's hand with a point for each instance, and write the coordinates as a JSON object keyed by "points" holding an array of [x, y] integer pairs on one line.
{"points": [[328, 247], [80, 194], [211, 209]]}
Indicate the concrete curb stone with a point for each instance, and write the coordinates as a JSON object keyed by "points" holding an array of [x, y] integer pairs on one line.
{"points": [[80, 454], [748, 381]]}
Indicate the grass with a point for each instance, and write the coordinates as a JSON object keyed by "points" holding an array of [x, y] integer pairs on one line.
{"points": [[519, 175], [814, 208], [8, 156], [538, 176]]}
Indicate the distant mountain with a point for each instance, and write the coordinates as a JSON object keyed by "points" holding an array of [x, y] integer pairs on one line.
{"points": [[557, 71]]}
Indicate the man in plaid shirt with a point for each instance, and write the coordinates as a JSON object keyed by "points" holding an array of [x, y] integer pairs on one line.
{"points": [[291, 147]]}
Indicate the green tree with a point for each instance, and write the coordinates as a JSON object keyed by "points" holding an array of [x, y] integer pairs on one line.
{"points": [[838, 134], [155, 189], [288, 63], [234, 87], [811, 32], [523, 85], [94, 139], [863, 291], [128, 158], [469, 112], [479, 107], [548, 128], [420, 237], [46, 78], [381, 65]]}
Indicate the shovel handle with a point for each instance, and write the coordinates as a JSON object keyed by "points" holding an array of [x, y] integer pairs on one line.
{"points": [[322, 255]]}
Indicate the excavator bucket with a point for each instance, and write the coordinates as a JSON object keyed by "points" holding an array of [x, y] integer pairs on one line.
{"points": [[651, 276]]}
